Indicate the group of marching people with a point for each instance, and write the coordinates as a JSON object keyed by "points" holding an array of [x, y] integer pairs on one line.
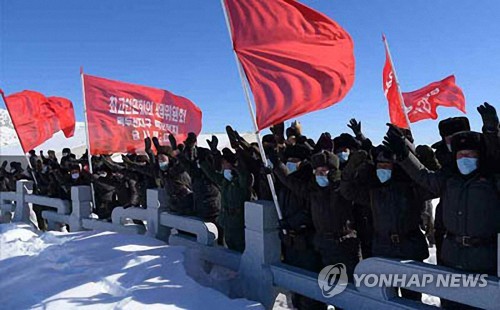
{"points": [[342, 199]]}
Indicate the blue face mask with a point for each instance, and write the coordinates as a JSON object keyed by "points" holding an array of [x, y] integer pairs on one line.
{"points": [[163, 165], [322, 180], [343, 156], [292, 167], [467, 165], [228, 174], [384, 175]]}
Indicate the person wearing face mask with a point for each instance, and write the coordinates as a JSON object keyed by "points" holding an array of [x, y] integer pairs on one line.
{"points": [[334, 237], [396, 203], [235, 183], [67, 158], [343, 146], [470, 198], [298, 242]]}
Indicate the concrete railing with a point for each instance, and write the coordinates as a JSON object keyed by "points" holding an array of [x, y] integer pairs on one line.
{"points": [[485, 296], [260, 273], [7, 206]]}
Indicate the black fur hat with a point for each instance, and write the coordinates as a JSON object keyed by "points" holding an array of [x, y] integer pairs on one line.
{"points": [[452, 125], [325, 159], [466, 140]]}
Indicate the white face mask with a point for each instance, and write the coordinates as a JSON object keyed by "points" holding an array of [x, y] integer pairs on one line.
{"points": [[343, 156], [45, 169], [228, 174], [322, 180], [65, 154], [384, 175], [163, 165], [467, 165], [75, 176], [292, 167]]}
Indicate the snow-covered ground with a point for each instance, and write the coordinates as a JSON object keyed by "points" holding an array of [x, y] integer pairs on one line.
{"points": [[98, 270]]}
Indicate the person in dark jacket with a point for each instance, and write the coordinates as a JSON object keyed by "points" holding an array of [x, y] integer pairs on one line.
{"points": [[396, 202], [298, 242], [235, 183], [470, 198], [335, 239]]}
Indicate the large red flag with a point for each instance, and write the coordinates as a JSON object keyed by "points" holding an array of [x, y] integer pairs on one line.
{"points": [[296, 59], [120, 115], [36, 118], [422, 103], [396, 113]]}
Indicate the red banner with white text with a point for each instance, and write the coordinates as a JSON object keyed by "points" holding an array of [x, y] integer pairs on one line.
{"points": [[121, 115]]}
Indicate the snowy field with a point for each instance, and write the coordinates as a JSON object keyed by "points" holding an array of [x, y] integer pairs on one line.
{"points": [[92, 270]]}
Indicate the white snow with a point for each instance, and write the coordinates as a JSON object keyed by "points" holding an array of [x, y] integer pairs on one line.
{"points": [[98, 270]]}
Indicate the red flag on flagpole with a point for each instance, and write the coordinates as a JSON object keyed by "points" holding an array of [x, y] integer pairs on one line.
{"points": [[422, 103], [296, 60], [392, 92], [36, 118], [121, 115]]}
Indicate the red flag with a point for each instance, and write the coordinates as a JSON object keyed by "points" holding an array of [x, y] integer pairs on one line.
{"points": [[120, 115], [422, 103], [396, 113], [296, 59], [36, 118]]}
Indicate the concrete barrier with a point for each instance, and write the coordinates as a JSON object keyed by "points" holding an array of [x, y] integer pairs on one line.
{"points": [[487, 297], [7, 206]]}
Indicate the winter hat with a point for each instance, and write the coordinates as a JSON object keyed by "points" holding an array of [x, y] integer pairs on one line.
{"points": [[382, 154], [298, 151], [453, 125], [325, 159], [346, 140], [325, 142], [269, 139], [466, 140], [228, 156], [66, 150]]}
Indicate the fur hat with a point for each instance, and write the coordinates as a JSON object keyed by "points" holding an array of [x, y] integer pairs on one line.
{"points": [[466, 140], [382, 154], [228, 156], [453, 125], [325, 159], [298, 151], [346, 140]]}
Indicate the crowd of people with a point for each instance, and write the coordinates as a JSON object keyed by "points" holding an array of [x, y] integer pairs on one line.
{"points": [[342, 199]]}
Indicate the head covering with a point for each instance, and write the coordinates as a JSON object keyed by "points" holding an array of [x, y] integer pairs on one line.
{"points": [[228, 156], [466, 140], [325, 142], [325, 159], [299, 151], [382, 154], [347, 141], [453, 125], [66, 150], [269, 139]]}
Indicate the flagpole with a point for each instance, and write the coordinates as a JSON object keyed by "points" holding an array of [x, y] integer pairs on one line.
{"points": [[244, 84], [386, 44], [18, 138], [91, 170]]}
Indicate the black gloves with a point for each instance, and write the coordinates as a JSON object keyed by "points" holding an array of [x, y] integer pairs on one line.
{"points": [[355, 127], [156, 143], [147, 144], [396, 142], [213, 144], [489, 116], [173, 142]]}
